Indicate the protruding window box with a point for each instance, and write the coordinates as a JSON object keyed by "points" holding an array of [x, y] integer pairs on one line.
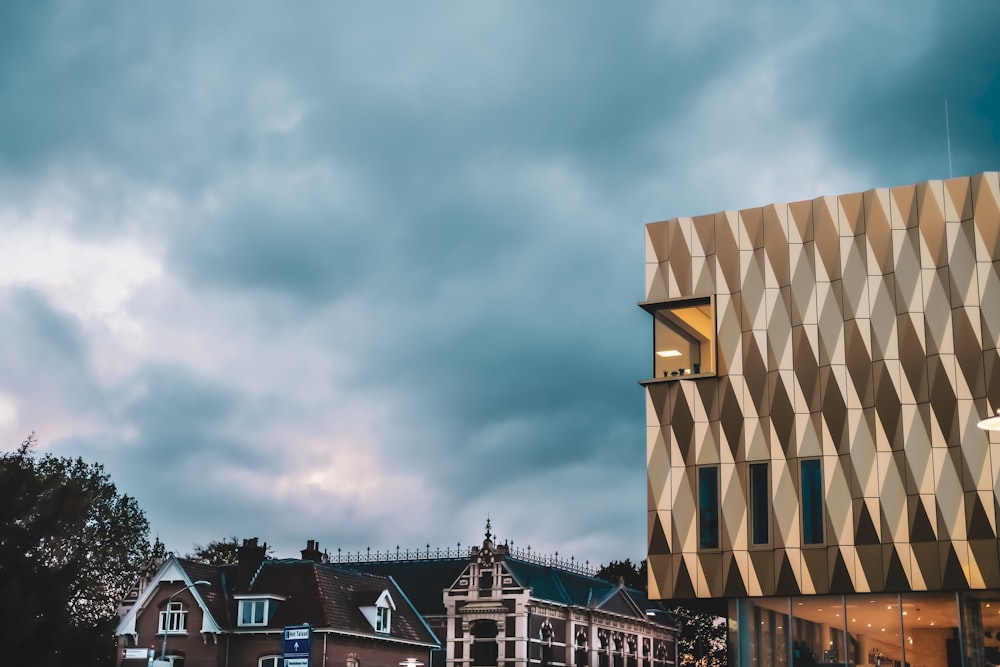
{"points": [[684, 337]]}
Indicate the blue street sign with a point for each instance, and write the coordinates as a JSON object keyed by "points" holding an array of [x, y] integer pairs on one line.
{"points": [[297, 641]]}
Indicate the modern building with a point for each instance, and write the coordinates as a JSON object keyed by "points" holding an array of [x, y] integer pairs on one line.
{"points": [[189, 614], [494, 606], [819, 369]]}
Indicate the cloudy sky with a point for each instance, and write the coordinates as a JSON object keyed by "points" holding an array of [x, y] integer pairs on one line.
{"points": [[366, 272]]}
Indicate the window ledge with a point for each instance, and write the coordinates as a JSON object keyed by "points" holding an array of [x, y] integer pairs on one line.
{"points": [[675, 378], [171, 633]]}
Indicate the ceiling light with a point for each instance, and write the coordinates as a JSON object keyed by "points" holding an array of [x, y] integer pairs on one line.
{"points": [[990, 423], [668, 353]]}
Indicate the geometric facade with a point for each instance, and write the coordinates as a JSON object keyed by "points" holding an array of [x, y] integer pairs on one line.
{"points": [[831, 447]]}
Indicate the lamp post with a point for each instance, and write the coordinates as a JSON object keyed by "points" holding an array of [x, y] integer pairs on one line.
{"points": [[166, 625]]}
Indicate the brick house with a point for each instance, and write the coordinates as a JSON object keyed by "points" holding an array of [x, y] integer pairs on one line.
{"points": [[234, 615]]}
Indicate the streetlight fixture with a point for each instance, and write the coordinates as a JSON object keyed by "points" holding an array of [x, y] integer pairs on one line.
{"points": [[166, 627], [990, 423]]}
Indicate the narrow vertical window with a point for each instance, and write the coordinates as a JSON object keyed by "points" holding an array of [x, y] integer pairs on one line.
{"points": [[812, 502], [760, 504], [708, 507]]}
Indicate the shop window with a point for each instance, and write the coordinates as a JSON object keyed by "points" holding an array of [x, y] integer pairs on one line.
{"points": [[683, 338], [708, 507]]}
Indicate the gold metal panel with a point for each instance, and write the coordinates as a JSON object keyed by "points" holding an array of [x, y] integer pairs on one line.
{"points": [[988, 274], [753, 315], [892, 497], [656, 283], [831, 323], [882, 295], [751, 229], [881, 361], [962, 263], [937, 311], [852, 214], [903, 207], [958, 199], [657, 242], [777, 272], [803, 292], [878, 232], [906, 251], [727, 252], [800, 222], [986, 207], [930, 200], [948, 496], [838, 503], [827, 235], [779, 328], [853, 256], [703, 241]]}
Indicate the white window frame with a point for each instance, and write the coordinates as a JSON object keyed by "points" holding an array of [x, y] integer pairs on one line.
{"points": [[270, 661], [252, 605], [383, 618], [173, 619]]}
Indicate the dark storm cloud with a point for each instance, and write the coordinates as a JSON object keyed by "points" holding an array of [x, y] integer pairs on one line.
{"points": [[417, 230], [882, 91], [44, 356]]}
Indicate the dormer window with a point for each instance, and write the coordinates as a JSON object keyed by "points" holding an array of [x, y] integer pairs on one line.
{"points": [[257, 610], [382, 617], [379, 614]]}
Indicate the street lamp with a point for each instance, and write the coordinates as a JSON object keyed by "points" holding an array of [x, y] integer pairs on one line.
{"points": [[166, 625], [990, 423]]}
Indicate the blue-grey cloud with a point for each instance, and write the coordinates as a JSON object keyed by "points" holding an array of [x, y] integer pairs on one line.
{"points": [[398, 249]]}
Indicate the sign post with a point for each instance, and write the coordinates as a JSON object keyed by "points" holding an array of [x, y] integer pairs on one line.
{"points": [[296, 645]]}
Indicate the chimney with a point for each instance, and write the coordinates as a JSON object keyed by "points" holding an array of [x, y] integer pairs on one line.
{"points": [[249, 558], [312, 552]]}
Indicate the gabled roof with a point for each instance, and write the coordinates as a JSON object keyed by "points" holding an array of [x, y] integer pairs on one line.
{"points": [[178, 570], [326, 596], [426, 580], [579, 590]]}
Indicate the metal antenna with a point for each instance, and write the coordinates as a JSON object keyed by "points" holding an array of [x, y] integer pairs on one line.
{"points": [[947, 132]]}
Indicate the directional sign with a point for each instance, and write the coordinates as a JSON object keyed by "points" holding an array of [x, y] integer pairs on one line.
{"points": [[137, 653], [297, 644], [296, 662]]}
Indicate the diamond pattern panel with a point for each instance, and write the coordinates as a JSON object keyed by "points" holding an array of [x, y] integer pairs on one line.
{"points": [[862, 330]]}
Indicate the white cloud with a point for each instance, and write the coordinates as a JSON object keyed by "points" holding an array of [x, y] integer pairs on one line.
{"points": [[93, 281], [8, 415]]}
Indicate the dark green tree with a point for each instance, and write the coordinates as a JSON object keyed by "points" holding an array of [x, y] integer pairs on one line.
{"points": [[701, 638], [220, 552], [70, 546], [634, 576]]}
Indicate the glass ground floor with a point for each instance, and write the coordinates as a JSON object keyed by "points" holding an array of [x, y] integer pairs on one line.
{"points": [[884, 630]]}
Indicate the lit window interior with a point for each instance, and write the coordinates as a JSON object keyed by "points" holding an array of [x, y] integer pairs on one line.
{"points": [[684, 339]]}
